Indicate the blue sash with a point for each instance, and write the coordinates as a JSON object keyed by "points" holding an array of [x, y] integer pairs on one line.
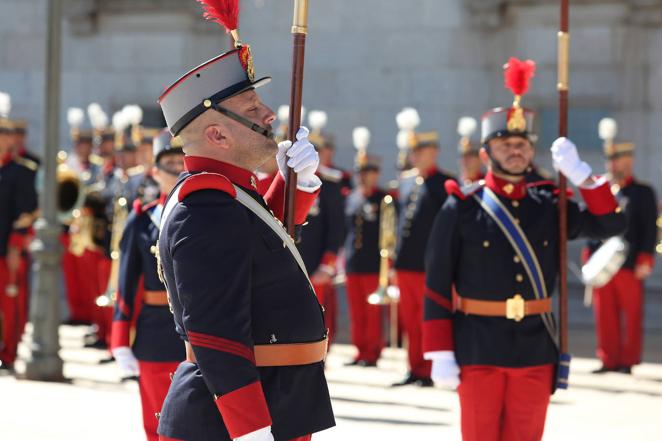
{"points": [[500, 214]]}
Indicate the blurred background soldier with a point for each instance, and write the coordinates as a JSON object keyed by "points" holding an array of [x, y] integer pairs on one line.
{"points": [[322, 233], [471, 167], [18, 203], [421, 195], [81, 160], [155, 350], [362, 222], [142, 184], [618, 305]]}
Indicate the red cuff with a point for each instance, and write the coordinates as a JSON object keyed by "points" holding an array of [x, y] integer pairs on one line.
{"points": [[275, 198], [586, 254], [16, 240], [244, 410], [599, 200], [646, 259], [437, 335], [329, 259], [119, 334]]}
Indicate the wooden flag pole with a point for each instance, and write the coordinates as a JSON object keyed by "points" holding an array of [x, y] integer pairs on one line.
{"points": [[299, 32], [563, 88]]}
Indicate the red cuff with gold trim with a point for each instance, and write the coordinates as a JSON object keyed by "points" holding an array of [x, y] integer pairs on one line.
{"points": [[17, 240], [645, 259], [599, 200], [244, 410], [437, 335], [119, 334], [275, 198]]}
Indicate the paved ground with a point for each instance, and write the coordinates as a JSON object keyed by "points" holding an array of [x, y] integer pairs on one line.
{"points": [[95, 406]]}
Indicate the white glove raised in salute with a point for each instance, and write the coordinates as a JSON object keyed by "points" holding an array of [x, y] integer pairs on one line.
{"points": [[445, 371], [126, 361], [567, 161], [263, 434], [303, 158]]}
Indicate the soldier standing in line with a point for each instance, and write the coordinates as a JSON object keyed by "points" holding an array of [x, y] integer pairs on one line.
{"points": [[323, 231], [619, 304], [421, 195], [362, 222], [494, 335], [18, 203], [156, 349]]}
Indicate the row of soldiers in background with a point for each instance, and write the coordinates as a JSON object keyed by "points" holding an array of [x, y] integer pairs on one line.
{"points": [[109, 167], [18, 209]]}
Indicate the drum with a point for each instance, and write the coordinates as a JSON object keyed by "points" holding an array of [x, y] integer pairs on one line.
{"points": [[605, 262]]}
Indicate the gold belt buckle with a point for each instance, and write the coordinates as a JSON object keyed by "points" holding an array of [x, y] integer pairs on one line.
{"points": [[515, 308]]}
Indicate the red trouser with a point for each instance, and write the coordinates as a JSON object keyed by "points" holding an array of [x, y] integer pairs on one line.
{"points": [[103, 315], [412, 287], [301, 438], [154, 383], [12, 311], [326, 295], [504, 404], [618, 308], [365, 319]]}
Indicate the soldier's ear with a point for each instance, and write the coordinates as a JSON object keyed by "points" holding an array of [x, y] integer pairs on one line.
{"points": [[216, 136]]}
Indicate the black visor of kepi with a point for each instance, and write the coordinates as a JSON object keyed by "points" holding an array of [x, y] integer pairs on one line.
{"points": [[204, 87]]}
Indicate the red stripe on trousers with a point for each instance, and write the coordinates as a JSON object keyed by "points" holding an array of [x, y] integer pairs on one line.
{"points": [[365, 320], [412, 287], [326, 295], [154, 383], [619, 344], [499, 403]]}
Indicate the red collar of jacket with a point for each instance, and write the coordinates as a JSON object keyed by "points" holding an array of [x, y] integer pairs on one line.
{"points": [[236, 175], [502, 187]]}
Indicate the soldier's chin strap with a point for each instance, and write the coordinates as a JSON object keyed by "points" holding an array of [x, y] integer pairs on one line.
{"points": [[266, 132], [499, 168]]}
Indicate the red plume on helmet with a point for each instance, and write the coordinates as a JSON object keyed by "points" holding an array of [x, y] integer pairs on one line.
{"points": [[518, 75], [223, 12]]}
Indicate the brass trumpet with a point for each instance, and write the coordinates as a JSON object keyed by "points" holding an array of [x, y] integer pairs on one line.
{"points": [[120, 214], [387, 239], [387, 294]]}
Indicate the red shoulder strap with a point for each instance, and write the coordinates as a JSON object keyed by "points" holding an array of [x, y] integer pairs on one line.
{"points": [[206, 181]]}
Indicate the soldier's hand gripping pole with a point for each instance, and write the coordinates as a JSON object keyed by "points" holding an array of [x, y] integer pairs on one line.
{"points": [[563, 87], [299, 32]]}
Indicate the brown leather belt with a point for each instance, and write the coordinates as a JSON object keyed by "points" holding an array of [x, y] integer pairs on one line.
{"points": [[515, 308], [292, 354], [155, 298]]}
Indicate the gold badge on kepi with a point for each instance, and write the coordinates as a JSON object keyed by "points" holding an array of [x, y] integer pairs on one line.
{"points": [[246, 58]]}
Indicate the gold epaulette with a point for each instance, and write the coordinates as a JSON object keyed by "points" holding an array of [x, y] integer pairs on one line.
{"points": [[409, 173], [137, 170], [330, 174], [96, 160], [27, 163]]}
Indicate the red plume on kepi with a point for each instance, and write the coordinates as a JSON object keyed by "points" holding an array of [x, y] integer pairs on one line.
{"points": [[518, 75], [223, 12]]}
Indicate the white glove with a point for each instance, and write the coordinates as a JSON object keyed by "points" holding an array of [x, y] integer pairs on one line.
{"points": [[303, 158], [263, 434], [126, 361], [445, 370], [567, 161]]}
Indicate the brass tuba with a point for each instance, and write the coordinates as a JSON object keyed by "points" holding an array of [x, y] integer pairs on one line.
{"points": [[387, 294]]}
